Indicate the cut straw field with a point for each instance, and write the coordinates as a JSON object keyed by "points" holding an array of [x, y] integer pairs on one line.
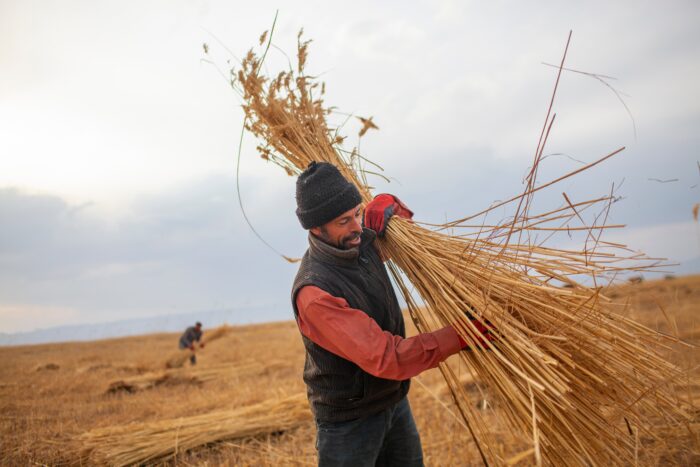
{"points": [[54, 407]]}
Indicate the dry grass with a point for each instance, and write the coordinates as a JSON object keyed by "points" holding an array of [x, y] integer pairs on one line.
{"points": [[137, 443], [42, 412], [193, 376]]}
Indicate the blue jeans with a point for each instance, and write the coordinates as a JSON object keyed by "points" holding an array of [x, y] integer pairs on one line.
{"points": [[388, 438]]}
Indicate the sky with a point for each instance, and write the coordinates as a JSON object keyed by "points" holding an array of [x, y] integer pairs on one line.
{"points": [[118, 143]]}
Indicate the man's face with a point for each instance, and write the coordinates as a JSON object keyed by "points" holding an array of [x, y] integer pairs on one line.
{"points": [[344, 231]]}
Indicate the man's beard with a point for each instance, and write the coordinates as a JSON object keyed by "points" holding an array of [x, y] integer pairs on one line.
{"points": [[349, 238], [343, 241]]}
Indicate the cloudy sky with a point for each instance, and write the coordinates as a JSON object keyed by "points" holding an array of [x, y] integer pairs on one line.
{"points": [[118, 144]]}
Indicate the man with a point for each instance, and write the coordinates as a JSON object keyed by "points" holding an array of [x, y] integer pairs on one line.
{"points": [[358, 361], [191, 335]]}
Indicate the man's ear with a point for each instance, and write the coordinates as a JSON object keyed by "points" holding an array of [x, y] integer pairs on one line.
{"points": [[316, 231]]}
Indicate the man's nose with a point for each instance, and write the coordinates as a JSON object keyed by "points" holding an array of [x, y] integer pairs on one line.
{"points": [[357, 224]]}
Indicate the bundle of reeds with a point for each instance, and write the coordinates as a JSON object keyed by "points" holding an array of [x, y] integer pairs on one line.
{"points": [[176, 360], [139, 443], [194, 376], [571, 374], [47, 366], [150, 381]]}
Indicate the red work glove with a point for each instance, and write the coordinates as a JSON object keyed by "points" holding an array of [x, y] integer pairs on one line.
{"points": [[486, 335], [201, 346], [381, 208], [192, 347]]}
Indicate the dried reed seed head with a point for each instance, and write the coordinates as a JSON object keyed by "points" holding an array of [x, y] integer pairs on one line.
{"points": [[367, 123], [249, 58]]}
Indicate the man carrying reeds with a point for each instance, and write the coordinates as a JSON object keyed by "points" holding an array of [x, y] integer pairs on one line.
{"points": [[188, 338], [358, 360]]}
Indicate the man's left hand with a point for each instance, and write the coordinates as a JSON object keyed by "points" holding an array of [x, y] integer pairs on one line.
{"points": [[381, 208], [484, 335]]}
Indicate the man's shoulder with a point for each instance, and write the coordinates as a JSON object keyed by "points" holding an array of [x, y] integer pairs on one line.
{"points": [[308, 267], [307, 277], [311, 273]]}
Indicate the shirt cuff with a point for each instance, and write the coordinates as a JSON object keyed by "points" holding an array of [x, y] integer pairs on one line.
{"points": [[448, 341]]}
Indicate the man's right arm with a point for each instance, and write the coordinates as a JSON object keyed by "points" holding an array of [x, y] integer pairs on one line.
{"points": [[350, 333]]}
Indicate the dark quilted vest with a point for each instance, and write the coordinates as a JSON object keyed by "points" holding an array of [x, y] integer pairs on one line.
{"points": [[339, 390]]}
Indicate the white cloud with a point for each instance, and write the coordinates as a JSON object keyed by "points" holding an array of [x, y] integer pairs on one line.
{"points": [[110, 99]]}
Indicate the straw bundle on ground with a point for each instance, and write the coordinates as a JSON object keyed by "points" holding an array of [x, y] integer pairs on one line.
{"points": [[139, 443], [571, 374], [47, 366], [151, 380], [176, 360], [197, 375]]}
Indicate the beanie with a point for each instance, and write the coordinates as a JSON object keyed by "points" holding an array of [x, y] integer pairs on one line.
{"points": [[323, 194]]}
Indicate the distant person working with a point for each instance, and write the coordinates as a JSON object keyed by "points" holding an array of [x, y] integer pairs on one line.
{"points": [[191, 335]]}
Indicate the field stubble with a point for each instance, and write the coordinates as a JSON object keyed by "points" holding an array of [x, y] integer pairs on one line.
{"points": [[51, 394]]}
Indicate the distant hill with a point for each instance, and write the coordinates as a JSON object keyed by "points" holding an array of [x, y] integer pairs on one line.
{"points": [[150, 325], [212, 318]]}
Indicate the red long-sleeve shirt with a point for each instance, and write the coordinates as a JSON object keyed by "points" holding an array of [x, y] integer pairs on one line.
{"points": [[351, 334]]}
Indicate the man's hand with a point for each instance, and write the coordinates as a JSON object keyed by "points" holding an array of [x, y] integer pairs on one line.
{"points": [[201, 346], [380, 209], [485, 334], [192, 347]]}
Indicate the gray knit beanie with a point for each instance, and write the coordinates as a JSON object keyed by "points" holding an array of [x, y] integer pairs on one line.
{"points": [[323, 194]]}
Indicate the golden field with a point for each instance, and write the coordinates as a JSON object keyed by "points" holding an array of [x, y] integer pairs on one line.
{"points": [[52, 394]]}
